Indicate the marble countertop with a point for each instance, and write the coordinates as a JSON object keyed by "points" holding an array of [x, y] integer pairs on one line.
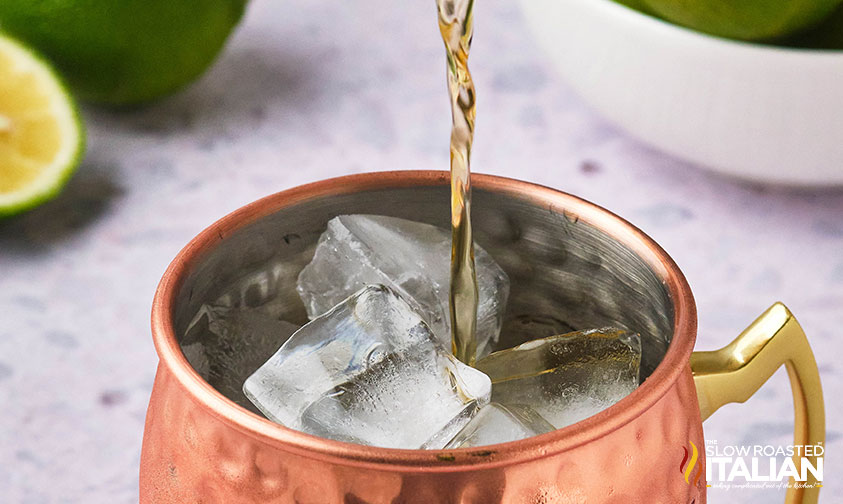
{"points": [[307, 90]]}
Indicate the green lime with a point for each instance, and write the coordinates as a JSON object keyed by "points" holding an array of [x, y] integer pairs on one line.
{"points": [[635, 4], [828, 35], [41, 136], [124, 51], [744, 19]]}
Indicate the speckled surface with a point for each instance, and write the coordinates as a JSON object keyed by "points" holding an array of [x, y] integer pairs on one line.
{"points": [[308, 90]]}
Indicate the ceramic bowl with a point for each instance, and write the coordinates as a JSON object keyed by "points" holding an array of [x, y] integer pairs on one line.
{"points": [[758, 112]]}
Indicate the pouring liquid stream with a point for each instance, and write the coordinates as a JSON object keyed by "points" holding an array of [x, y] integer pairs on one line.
{"points": [[457, 28]]}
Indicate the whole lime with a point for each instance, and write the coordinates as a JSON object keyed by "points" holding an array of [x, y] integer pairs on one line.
{"points": [[635, 4], [744, 19], [124, 51], [828, 35]]}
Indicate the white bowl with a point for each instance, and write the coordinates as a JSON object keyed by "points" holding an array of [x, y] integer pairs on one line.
{"points": [[757, 112]]}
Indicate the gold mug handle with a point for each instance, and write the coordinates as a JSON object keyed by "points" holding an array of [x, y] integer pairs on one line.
{"points": [[736, 371]]}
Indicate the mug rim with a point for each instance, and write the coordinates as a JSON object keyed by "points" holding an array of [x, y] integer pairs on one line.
{"points": [[672, 365]]}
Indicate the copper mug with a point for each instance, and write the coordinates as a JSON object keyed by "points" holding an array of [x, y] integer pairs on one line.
{"points": [[572, 265]]}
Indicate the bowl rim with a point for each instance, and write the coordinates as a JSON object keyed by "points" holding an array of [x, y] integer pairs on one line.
{"points": [[670, 369], [631, 15]]}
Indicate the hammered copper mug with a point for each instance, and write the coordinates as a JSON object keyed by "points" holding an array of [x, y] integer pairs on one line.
{"points": [[572, 265]]}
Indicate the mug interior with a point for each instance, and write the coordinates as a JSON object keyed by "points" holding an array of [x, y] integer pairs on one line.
{"points": [[566, 272]]}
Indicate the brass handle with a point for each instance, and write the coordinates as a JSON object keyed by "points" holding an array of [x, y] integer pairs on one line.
{"points": [[736, 371]]}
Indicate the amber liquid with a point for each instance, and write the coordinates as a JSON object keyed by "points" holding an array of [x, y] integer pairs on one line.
{"points": [[456, 26]]}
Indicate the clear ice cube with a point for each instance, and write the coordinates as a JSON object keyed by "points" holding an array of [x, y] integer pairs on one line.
{"points": [[410, 257], [568, 377], [496, 423], [369, 371], [226, 344]]}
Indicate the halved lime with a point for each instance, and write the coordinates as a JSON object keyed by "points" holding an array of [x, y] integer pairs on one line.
{"points": [[41, 136]]}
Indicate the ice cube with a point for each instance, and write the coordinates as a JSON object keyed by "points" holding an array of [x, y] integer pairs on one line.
{"points": [[369, 371], [496, 423], [569, 377], [413, 259], [225, 345]]}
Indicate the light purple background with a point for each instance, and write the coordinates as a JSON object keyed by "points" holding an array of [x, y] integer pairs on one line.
{"points": [[311, 89]]}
